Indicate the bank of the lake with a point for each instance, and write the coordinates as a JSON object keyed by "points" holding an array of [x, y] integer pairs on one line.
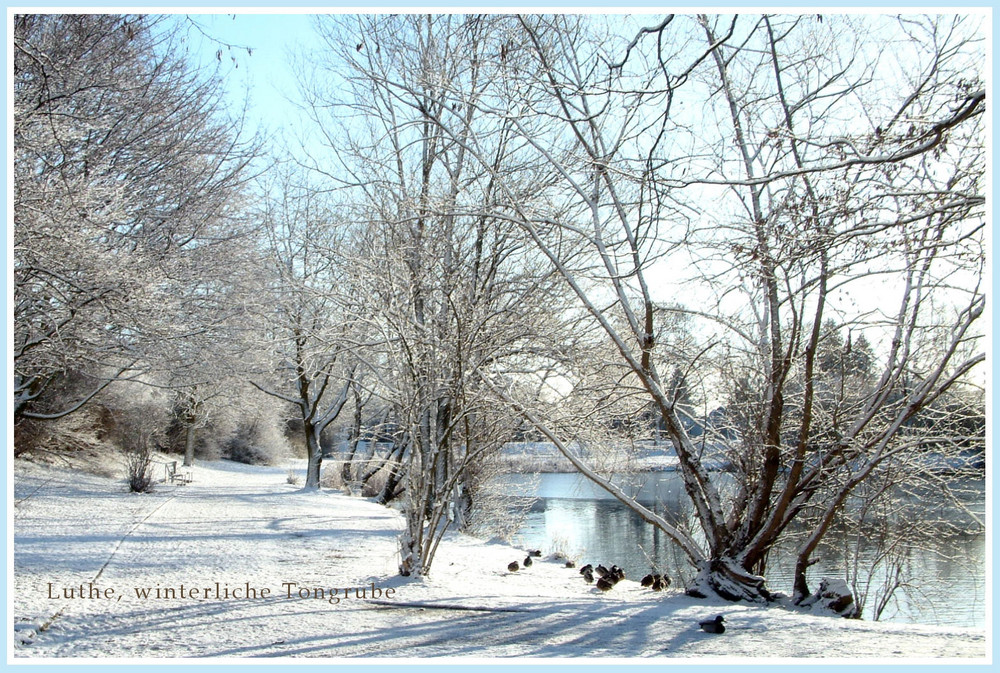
{"points": [[945, 576]]}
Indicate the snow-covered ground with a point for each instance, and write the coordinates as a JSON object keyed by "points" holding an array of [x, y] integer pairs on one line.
{"points": [[237, 527]]}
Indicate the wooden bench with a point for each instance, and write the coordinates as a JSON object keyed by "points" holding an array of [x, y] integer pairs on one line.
{"points": [[173, 476]]}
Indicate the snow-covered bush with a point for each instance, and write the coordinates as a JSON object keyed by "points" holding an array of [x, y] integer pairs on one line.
{"points": [[138, 468], [137, 433], [242, 450], [82, 432], [494, 512], [331, 476], [375, 484], [256, 442]]}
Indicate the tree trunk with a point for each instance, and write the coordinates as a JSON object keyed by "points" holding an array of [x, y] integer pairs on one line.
{"points": [[800, 588], [189, 442], [410, 557], [727, 579], [314, 456], [345, 474], [391, 484]]}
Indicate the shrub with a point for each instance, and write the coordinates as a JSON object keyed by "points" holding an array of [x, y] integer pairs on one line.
{"points": [[256, 441], [137, 436], [494, 512], [243, 450], [375, 484], [82, 432], [138, 470], [331, 476]]}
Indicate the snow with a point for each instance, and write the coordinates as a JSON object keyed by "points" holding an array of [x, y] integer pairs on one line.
{"points": [[236, 527]]}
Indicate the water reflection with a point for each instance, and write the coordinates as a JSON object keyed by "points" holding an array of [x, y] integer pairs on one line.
{"points": [[946, 572]]}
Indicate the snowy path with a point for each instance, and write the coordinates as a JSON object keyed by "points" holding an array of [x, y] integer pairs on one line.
{"points": [[239, 526]]}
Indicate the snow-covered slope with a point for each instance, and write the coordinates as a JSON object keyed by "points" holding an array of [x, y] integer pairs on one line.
{"points": [[237, 528]]}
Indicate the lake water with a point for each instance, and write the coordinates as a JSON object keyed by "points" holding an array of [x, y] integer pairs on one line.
{"points": [[945, 573]]}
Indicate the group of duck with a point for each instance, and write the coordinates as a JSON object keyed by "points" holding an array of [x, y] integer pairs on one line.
{"points": [[655, 581], [609, 577], [606, 577], [514, 566]]}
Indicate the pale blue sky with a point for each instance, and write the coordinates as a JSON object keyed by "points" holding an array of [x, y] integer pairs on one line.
{"points": [[266, 72]]}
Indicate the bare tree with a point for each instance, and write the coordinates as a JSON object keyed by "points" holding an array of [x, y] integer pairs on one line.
{"points": [[450, 287], [826, 175], [304, 308], [814, 233]]}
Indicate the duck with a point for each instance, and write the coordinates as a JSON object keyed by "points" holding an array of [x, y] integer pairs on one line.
{"points": [[589, 577], [535, 552], [647, 581], [570, 564], [586, 569], [601, 570], [604, 584], [713, 625], [513, 567], [657, 584], [527, 561], [618, 573]]}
